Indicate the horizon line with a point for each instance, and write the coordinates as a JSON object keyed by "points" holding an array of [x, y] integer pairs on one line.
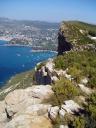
{"points": [[59, 22]]}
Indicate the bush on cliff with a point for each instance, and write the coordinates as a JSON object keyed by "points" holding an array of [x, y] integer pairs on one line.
{"points": [[80, 64], [63, 90], [88, 120]]}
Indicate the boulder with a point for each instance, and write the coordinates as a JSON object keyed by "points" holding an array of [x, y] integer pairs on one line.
{"points": [[84, 81], [64, 126], [54, 79], [53, 112], [60, 72], [36, 109], [28, 121], [62, 113], [43, 76], [70, 106], [68, 77], [22, 98], [50, 65], [41, 92], [85, 89]]}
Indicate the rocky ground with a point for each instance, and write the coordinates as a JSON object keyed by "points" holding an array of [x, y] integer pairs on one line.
{"points": [[58, 96], [25, 108]]}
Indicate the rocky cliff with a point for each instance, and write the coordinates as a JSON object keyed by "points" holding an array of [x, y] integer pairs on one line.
{"points": [[63, 44], [77, 36], [60, 93], [31, 107]]}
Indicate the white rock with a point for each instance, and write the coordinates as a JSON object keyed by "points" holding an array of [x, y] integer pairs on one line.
{"points": [[37, 109], [22, 98], [70, 106], [53, 112], [54, 78], [68, 76], [41, 91], [63, 126], [28, 121], [60, 72], [85, 89], [62, 113], [82, 31], [50, 65], [84, 81]]}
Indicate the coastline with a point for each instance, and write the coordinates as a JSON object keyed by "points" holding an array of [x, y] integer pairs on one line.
{"points": [[5, 38], [34, 48], [30, 50]]}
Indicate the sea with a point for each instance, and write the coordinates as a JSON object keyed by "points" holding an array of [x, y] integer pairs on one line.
{"points": [[17, 59]]}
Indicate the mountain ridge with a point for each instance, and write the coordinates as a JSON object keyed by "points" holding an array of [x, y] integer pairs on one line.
{"points": [[69, 101]]}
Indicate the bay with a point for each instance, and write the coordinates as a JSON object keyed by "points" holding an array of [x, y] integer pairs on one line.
{"points": [[17, 59]]}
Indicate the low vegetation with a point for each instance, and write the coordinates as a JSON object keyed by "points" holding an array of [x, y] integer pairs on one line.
{"points": [[85, 120], [80, 64], [88, 120], [20, 81], [63, 90], [78, 32]]}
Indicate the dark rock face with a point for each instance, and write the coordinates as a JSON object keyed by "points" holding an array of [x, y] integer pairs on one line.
{"points": [[42, 78], [63, 45]]}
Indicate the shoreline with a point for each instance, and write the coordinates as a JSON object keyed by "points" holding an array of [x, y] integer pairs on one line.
{"points": [[5, 38], [34, 48], [3, 84]]}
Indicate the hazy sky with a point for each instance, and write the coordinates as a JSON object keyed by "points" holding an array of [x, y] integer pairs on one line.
{"points": [[49, 10]]}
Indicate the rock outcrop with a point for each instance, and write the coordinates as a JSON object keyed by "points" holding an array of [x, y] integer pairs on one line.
{"points": [[69, 106], [44, 73], [23, 108], [47, 74], [53, 112], [63, 44], [28, 121]]}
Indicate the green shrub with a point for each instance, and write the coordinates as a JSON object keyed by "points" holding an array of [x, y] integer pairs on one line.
{"points": [[80, 64], [75, 73], [59, 62], [78, 122], [63, 90]]}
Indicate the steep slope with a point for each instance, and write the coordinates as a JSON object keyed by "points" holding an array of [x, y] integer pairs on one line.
{"points": [[78, 32], [69, 101], [81, 35]]}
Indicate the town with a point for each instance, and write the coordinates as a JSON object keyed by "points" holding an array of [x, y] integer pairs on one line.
{"points": [[34, 33]]}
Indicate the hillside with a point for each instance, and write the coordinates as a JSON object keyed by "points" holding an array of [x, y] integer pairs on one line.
{"points": [[38, 34], [79, 32], [60, 92]]}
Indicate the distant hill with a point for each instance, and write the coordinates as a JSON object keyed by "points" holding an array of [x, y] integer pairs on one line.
{"points": [[35, 33], [38, 24]]}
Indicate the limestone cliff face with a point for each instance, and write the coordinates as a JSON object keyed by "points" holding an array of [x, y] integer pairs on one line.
{"points": [[75, 35], [63, 44]]}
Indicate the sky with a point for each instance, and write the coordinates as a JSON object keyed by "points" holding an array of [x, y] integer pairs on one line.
{"points": [[49, 10]]}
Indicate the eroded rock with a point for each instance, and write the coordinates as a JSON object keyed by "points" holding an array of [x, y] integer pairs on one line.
{"points": [[53, 112], [70, 106], [22, 98], [28, 121]]}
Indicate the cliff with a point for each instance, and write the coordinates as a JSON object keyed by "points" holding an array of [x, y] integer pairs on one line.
{"points": [[60, 92], [42, 105], [76, 35], [63, 44]]}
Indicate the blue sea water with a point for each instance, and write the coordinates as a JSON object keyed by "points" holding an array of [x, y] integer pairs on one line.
{"points": [[17, 59]]}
